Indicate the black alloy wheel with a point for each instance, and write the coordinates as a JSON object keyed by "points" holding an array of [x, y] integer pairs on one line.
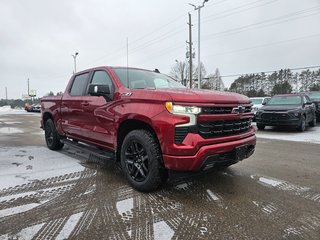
{"points": [[137, 161], [141, 161], [51, 135]]}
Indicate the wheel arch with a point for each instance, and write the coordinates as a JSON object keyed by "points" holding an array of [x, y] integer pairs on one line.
{"points": [[45, 117], [129, 125]]}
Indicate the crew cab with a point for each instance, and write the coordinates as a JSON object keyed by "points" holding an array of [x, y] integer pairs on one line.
{"points": [[149, 123], [295, 110]]}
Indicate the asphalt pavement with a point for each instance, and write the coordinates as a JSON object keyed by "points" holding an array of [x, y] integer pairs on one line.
{"points": [[275, 194]]}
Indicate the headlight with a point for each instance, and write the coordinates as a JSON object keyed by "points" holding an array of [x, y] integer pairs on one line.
{"points": [[188, 111], [296, 113], [179, 109]]}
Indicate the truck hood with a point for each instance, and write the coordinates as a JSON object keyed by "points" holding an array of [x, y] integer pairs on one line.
{"points": [[186, 95]]}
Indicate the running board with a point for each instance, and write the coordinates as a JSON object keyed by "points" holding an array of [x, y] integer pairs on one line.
{"points": [[91, 153]]}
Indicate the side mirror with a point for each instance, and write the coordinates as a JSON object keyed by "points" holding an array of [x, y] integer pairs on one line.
{"points": [[264, 103], [99, 90]]}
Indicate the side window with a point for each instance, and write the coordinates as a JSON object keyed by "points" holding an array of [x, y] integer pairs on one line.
{"points": [[79, 85], [304, 100], [308, 99], [101, 77], [161, 83]]}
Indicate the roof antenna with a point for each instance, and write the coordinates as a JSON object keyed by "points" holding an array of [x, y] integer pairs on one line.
{"points": [[157, 70], [127, 63]]}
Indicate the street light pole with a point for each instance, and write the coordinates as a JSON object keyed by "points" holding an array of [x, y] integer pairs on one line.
{"points": [[199, 63], [75, 61]]}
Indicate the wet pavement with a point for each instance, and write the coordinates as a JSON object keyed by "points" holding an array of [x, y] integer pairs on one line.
{"points": [[275, 194]]}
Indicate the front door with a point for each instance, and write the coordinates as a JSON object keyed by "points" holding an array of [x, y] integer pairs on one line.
{"points": [[98, 125]]}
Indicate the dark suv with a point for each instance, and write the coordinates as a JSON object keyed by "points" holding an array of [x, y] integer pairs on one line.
{"points": [[315, 98], [287, 110]]}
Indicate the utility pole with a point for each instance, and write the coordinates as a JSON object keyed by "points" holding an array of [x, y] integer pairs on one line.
{"points": [[75, 61], [28, 88], [199, 64], [190, 50], [6, 96]]}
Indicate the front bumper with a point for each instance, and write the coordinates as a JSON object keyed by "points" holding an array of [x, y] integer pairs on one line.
{"points": [[209, 155], [214, 137], [278, 119]]}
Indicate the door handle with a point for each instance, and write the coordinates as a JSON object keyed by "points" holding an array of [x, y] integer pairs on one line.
{"points": [[84, 104]]}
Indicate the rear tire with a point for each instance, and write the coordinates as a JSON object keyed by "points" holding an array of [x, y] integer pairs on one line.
{"points": [[261, 126], [52, 137], [141, 161]]}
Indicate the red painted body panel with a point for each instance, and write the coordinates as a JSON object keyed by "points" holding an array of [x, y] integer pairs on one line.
{"points": [[96, 121], [193, 162]]}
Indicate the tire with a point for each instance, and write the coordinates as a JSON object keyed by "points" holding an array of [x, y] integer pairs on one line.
{"points": [[141, 161], [261, 126], [313, 123], [52, 137], [302, 125]]}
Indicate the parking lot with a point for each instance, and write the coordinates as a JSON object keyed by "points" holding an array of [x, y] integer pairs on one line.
{"points": [[275, 194]]}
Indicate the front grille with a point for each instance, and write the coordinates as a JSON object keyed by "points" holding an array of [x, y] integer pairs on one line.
{"points": [[275, 116], [223, 128], [222, 110]]}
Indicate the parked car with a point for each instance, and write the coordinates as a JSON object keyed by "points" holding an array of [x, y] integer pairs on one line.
{"points": [[33, 107], [258, 102], [315, 98], [295, 110], [149, 123]]}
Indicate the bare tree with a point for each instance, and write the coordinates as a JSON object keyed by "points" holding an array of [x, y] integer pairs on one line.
{"points": [[179, 72], [214, 81]]}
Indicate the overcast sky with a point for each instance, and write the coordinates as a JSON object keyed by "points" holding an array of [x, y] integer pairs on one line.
{"points": [[38, 37]]}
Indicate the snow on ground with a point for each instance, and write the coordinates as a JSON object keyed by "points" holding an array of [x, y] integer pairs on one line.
{"points": [[310, 135], [8, 110], [10, 130], [24, 165]]}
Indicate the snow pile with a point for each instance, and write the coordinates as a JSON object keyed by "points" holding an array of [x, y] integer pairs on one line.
{"points": [[6, 108], [311, 135]]}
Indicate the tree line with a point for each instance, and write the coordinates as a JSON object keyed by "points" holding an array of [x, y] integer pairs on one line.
{"points": [[279, 82], [181, 72]]}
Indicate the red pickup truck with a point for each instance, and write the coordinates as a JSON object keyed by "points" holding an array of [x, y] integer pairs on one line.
{"points": [[149, 123]]}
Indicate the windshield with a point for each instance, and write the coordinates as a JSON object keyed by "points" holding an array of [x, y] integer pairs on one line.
{"points": [[314, 95], [285, 100], [140, 79], [256, 101]]}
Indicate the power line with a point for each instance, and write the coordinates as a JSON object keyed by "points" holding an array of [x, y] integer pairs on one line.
{"points": [[277, 20], [167, 35], [232, 11], [271, 71], [264, 45]]}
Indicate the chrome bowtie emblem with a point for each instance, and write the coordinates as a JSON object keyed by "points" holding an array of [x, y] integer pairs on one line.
{"points": [[237, 110]]}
